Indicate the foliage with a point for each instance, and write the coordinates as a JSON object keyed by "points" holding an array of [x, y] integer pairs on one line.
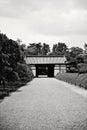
{"points": [[24, 71], [82, 68], [85, 47], [74, 78], [59, 49], [74, 52], [34, 49], [80, 59], [38, 49], [74, 57], [85, 58], [73, 64], [45, 49], [11, 55]]}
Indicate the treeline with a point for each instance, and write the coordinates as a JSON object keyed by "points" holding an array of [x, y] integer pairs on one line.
{"points": [[76, 56], [38, 49], [12, 63], [12, 53], [44, 49]]}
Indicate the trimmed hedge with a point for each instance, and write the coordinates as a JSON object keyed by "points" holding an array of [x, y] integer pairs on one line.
{"points": [[82, 68], [74, 78]]}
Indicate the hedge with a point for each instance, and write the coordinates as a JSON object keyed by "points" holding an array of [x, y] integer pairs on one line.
{"points": [[74, 78]]}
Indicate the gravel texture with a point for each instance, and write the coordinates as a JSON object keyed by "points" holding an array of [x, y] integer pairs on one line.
{"points": [[44, 104]]}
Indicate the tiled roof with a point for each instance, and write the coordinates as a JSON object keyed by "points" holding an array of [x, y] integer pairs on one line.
{"points": [[45, 59]]}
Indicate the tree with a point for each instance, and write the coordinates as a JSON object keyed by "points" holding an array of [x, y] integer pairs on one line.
{"points": [[85, 47], [75, 51], [34, 49], [45, 49], [19, 41], [23, 52], [82, 68], [11, 54], [4, 57], [74, 58], [39, 48], [54, 49], [59, 49]]}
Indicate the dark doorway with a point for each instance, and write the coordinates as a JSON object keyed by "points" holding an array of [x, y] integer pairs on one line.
{"points": [[50, 71], [45, 70]]}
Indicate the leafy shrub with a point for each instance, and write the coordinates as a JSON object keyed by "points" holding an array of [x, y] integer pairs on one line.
{"points": [[12, 64], [10, 75], [24, 71], [74, 78], [82, 68]]}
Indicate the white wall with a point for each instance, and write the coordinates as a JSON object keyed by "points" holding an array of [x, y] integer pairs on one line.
{"points": [[56, 69], [33, 70], [55, 72]]}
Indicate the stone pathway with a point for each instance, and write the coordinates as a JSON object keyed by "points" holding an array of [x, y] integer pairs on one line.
{"points": [[44, 104]]}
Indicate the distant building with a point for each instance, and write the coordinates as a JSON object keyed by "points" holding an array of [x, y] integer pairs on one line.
{"points": [[47, 65]]}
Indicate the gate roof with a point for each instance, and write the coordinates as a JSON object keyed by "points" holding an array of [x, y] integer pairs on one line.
{"points": [[45, 60]]}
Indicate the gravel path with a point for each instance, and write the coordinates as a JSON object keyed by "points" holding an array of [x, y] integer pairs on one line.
{"points": [[44, 104]]}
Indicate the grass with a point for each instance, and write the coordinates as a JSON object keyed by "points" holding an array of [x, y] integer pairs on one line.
{"points": [[74, 78]]}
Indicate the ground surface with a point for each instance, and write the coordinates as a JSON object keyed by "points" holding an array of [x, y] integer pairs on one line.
{"points": [[44, 104]]}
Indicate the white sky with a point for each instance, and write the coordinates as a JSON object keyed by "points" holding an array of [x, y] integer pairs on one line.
{"points": [[49, 21]]}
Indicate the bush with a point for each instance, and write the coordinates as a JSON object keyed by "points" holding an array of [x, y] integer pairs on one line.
{"points": [[10, 75], [12, 64], [82, 68], [74, 78], [24, 71]]}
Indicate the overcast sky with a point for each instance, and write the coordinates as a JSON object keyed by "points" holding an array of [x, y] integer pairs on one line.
{"points": [[49, 21]]}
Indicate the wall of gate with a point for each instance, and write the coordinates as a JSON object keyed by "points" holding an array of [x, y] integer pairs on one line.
{"points": [[57, 69], [33, 67], [57, 64]]}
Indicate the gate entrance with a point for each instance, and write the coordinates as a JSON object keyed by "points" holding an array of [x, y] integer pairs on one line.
{"points": [[51, 71], [45, 70], [48, 66]]}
